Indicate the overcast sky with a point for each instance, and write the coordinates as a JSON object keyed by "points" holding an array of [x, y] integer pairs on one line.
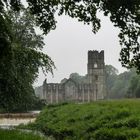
{"points": [[69, 43]]}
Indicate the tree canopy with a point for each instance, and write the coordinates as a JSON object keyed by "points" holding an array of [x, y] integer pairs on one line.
{"points": [[20, 68], [124, 14]]}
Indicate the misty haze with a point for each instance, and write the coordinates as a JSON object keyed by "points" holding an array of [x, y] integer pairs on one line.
{"points": [[69, 70]]}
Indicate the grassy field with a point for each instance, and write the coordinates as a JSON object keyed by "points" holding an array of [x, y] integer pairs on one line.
{"points": [[102, 120], [17, 135]]}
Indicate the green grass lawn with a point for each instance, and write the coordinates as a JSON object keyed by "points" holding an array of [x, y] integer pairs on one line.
{"points": [[102, 120], [17, 135]]}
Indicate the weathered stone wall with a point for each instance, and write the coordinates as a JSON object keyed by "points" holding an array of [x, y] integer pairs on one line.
{"points": [[92, 90], [96, 74], [67, 92]]}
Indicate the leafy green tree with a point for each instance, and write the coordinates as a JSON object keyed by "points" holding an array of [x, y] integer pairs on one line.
{"points": [[16, 92], [124, 14], [6, 60], [75, 76], [111, 70], [120, 86], [63, 80], [110, 78], [134, 87], [79, 79]]}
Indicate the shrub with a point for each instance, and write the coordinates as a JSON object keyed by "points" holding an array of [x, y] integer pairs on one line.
{"points": [[102, 120]]}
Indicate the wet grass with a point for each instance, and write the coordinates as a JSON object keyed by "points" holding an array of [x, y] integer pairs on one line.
{"points": [[18, 135], [102, 120]]}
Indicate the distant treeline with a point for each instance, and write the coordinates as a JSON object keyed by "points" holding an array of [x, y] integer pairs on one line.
{"points": [[126, 84]]}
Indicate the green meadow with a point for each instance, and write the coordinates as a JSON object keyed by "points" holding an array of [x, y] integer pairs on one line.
{"points": [[101, 120], [18, 135]]}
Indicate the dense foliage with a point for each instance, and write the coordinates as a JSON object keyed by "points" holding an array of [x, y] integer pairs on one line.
{"points": [[122, 85], [134, 87], [17, 135], [79, 79], [102, 120], [124, 14], [20, 68]]}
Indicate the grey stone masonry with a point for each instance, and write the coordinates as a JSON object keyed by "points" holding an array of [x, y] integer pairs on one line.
{"points": [[70, 91], [96, 73]]}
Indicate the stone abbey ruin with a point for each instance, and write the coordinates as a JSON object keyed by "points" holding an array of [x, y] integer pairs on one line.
{"points": [[69, 91]]}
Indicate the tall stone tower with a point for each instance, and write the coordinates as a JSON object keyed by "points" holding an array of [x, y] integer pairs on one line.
{"points": [[96, 74]]}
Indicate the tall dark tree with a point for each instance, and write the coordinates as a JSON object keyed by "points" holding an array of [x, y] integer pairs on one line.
{"points": [[16, 92]]}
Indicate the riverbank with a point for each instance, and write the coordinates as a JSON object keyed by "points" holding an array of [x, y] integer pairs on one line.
{"points": [[9, 120]]}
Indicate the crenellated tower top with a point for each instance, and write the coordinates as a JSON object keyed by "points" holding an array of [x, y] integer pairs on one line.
{"points": [[96, 75]]}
